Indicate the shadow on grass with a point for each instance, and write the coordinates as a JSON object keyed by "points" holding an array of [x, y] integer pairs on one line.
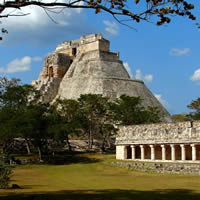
{"points": [[107, 195], [70, 158]]}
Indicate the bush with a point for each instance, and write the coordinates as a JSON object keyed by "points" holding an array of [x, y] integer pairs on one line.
{"points": [[5, 172]]}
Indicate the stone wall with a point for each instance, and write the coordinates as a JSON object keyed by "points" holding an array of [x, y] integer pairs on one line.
{"points": [[101, 55], [185, 132], [120, 155], [59, 64], [172, 168], [48, 88], [85, 44], [101, 45]]}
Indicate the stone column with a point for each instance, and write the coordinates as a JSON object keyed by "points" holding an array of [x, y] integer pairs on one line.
{"points": [[163, 152], [133, 151], [152, 152], [125, 153], [172, 152], [182, 152], [194, 157], [142, 151]]}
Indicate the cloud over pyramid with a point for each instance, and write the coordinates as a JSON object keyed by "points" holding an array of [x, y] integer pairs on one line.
{"points": [[87, 66]]}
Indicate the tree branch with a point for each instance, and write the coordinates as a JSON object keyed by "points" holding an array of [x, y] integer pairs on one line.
{"points": [[162, 9], [14, 15]]}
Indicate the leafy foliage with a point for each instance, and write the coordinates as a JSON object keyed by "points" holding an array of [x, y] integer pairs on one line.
{"points": [[92, 116], [129, 110], [65, 120], [195, 105], [4, 83], [96, 117], [5, 172], [7, 127], [180, 117], [19, 117]]}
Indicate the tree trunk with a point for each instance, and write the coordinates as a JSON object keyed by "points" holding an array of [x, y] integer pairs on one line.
{"points": [[103, 145], [108, 142], [3, 149], [68, 143], [90, 137], [27, 147], [40, 153]]}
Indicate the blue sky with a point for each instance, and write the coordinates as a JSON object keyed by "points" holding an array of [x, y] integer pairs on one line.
{"points": [[166, 58]]}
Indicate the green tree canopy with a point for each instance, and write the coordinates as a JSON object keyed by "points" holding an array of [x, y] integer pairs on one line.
{"points": [[96, 117], [195, 105], [129, 110], [19, 117], [65, 120], [180, 117]]}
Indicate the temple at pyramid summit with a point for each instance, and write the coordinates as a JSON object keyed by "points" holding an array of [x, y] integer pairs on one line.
{"points": [[87, 66]]}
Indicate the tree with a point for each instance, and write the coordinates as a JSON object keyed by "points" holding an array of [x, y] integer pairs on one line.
{"points": [[129, 110], [97, 121], [39, 121], [4, 83], [21, 117], [157, 11], [194, 105], [14, 101], [107, 132], [19, 95], [151, 115], [8, 112], [65, 120], [7, 127], [180, 117]]}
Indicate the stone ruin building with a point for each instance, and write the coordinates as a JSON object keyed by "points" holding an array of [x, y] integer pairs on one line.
{"points": [[87, 66], [163, 142]]}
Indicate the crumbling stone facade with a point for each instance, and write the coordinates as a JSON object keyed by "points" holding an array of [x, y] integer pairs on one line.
{"points": [[87, 66], [163, 142]]}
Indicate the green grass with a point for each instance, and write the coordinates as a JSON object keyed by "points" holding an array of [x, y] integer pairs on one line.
{"points": [[92, 179]]}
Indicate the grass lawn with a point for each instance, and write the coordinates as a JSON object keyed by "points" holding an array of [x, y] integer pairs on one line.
{"points": [[92, 179]]}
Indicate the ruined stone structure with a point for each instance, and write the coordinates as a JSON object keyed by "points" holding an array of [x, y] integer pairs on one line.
{"points": [[87, 66], [163, 142]]}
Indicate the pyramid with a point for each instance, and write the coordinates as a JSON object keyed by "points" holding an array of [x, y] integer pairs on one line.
{"points": [[86, 66]]}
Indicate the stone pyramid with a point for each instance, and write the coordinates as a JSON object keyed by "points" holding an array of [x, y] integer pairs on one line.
{"points": [[87, 66]]}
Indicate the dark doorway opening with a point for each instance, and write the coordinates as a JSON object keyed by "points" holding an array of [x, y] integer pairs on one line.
{"points": [[137, 152], [50, 72], [74, 51], [129, 152]]}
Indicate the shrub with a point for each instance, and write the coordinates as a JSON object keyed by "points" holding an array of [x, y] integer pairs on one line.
{"points": [[5, 172]]}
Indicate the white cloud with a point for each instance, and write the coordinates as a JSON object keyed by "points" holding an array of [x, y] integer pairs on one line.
{"points": [[38, 28], [138, 74], [161, 100], [148, 78], [111, 28], [128, 69], [196, 76], [37, 58], [179, 52], [19, 65]]}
